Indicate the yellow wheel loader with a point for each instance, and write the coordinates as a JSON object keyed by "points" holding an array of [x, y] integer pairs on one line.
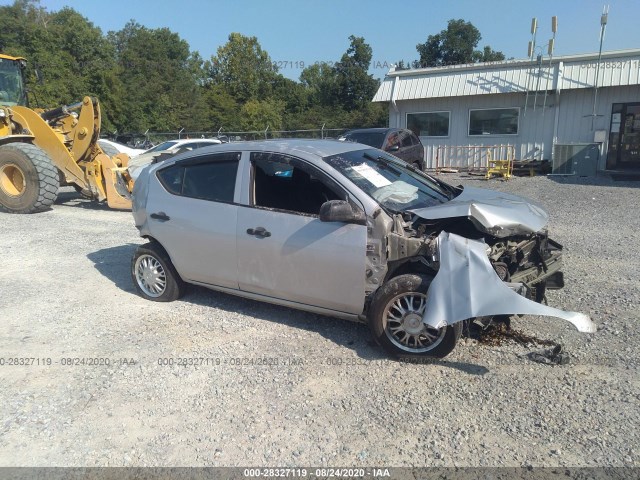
{"points": [[40, 150]]}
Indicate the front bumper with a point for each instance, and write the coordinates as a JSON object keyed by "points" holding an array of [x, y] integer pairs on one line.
{"points": [[467, 286]]}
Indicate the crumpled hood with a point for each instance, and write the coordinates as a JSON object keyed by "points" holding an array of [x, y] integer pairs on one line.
{"points": [[496, 213]]}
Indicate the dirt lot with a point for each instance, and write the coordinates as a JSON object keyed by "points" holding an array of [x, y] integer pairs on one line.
{"points": [[278, 387]]}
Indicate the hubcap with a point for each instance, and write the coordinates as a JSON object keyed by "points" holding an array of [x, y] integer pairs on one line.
{"points": [[404, 325], [150, 275], [12, 180]]}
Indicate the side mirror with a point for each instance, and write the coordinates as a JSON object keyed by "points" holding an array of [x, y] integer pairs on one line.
{"points": [[341, 211], [393, 148]]}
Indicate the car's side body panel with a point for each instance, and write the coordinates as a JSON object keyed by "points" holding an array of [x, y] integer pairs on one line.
{"points": [[200, 236], [292, 262]]}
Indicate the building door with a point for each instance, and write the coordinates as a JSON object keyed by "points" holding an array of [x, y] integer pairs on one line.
{"points": [[624, 137]]}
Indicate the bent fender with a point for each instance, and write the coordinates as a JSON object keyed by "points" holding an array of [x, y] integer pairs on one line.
{"points": [[467, 286]]}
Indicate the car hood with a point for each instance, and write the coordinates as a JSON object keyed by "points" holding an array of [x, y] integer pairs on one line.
{"points": [[496, 213]]}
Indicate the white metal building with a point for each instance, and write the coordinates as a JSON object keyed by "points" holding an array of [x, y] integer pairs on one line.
{"points": [[532, 105]]}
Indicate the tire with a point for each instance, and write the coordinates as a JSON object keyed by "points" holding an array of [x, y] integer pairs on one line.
{"points": [[154, 276], [29, 181], [410, 293]]}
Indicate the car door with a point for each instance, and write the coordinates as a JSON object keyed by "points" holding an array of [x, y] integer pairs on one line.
{"points": [[192, 213], [285, 251]]}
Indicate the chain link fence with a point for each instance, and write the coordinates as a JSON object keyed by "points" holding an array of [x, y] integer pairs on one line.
{"points": [[149, 139]]}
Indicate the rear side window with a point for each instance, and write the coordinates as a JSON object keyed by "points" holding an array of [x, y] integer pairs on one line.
{"points": [[211, 177], [171, 179], [373, 139], [406, 140]]}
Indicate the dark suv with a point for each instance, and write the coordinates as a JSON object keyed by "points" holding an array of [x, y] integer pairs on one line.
{"points": [[399, 142]]}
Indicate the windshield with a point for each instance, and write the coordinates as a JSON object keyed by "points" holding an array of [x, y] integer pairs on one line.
{"points": [[373, 139], [11, 86], [163, 146], [389, 181]]}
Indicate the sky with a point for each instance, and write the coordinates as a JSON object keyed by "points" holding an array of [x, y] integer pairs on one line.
{"points": [[297, 33]]}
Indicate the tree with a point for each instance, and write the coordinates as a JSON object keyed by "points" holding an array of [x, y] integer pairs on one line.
{"points": [[162, 79], [150, 79], [320, 82], [71, 56], [258, 115], [355, 87], [487, 54], [455, 45], [244, 68]]}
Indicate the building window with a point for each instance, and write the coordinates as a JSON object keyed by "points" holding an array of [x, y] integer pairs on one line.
{"points": [[429, 124], [494, 121]]}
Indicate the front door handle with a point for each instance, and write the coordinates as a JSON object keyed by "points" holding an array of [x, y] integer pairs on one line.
{"points": [[163, 217], [259, 232]]}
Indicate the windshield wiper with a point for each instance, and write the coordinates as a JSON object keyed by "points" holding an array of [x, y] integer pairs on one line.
{"points": [[383, 163]]}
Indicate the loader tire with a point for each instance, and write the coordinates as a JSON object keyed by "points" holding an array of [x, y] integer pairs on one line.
{"points": [[28, 179]]}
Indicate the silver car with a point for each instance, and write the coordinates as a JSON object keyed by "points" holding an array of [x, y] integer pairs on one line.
{"points": [[345, 230]]}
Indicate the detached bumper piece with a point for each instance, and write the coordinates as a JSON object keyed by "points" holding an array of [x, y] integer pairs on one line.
{"points": [[467, 286]]}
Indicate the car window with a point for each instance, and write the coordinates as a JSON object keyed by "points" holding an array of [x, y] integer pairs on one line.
{"points": [[414, 139], [286, 183], [406, 140], [393, 140], [210, 177], [373, 139], [163, 146]]}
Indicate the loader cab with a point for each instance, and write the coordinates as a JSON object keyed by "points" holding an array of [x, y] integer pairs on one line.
{"points": [[12, 84]]}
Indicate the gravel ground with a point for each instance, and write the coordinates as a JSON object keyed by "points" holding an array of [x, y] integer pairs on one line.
{"points": [[287, 388]]}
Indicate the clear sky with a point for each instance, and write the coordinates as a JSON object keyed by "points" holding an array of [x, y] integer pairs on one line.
{"points": [[296, 31]]}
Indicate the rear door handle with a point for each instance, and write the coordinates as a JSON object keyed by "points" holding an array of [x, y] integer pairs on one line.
{"points": [[259, 232], [163, 217]]}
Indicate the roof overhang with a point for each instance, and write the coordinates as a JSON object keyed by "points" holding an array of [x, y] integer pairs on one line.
{"points": [[617, 68]]}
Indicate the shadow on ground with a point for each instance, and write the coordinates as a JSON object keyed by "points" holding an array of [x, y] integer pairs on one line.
{"points": [[114, 263], [70, 198]]}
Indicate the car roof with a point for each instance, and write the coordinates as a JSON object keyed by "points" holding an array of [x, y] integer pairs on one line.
{"points": [[194, 140], [317, 147]]}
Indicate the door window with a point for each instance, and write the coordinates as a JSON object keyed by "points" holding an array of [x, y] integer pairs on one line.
{"points": [[211, 177], [393, 141], [286, 183]]}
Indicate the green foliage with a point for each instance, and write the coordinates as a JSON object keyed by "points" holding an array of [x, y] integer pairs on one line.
{"points": [[161, 77], [150, 79], [455, 45], [260, 114], [355, 87], [244, 68]]}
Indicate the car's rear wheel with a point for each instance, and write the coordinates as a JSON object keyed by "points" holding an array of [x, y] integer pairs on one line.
{"points": [[395, 319], [154, 276]]}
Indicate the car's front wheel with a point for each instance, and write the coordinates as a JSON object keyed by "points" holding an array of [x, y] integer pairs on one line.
{"points": [[154, 276], [395, 319]]}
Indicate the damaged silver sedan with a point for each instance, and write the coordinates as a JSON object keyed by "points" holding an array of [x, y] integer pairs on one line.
{"points": [[348, 231]]}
